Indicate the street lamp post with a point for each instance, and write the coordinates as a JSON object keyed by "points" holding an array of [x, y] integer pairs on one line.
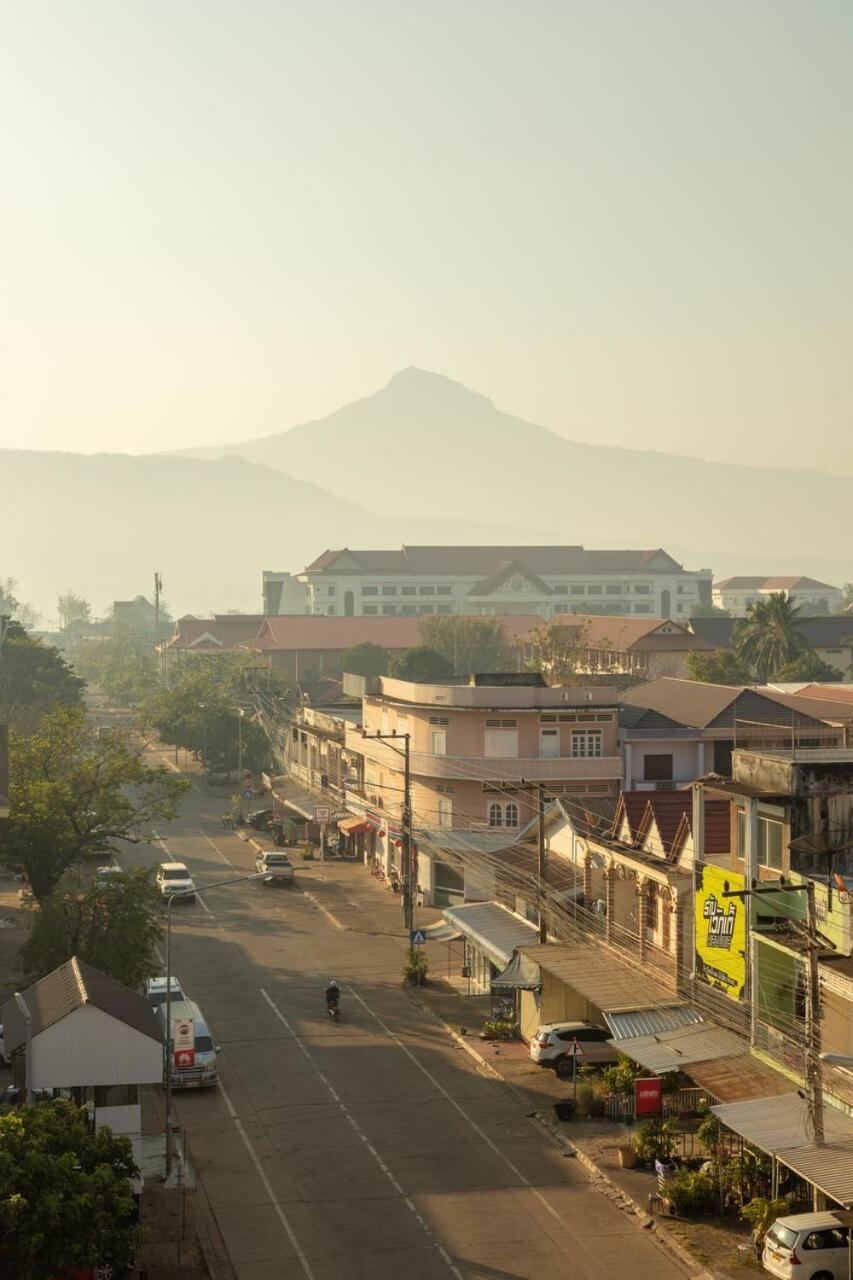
{"points": [[201, 707], [240, 714], [183, 893]]}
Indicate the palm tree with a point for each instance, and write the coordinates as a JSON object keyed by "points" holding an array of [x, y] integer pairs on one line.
{"points": [[767, 638]]}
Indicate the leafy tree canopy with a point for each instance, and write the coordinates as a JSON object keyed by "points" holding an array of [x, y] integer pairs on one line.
{"points": [[420, 663], [12, 607], [75, 613], [709, 611], [113, 926], [34, 679], [65, 1194], [469, 644], [767, 639], [365, 659], [73, 791], [808, 667], [721, 666], [558, 650], [124, 665]]}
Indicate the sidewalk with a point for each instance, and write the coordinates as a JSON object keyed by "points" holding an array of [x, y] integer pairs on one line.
{"points": [[707, 1247]]}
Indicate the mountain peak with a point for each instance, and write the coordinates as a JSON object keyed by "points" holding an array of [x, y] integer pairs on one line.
{"points": [[423, 383]]}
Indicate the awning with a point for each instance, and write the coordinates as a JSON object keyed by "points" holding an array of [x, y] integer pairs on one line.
{"points": [[675, 1049], [492, 929], [353, 826], [780, 1126], [521, 974], [651, 1022], [610, 984], [736, 1078], [441, 932]]}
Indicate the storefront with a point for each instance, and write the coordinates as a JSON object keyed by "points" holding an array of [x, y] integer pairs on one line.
{"points": [[491, 935]]}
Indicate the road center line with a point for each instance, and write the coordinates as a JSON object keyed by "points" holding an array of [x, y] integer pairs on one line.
{"points": [[267, 1185], [407, 1200], [335, 921], [221, 854], [462, 1112]]}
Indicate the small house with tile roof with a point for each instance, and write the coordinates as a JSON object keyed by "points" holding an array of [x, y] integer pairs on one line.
{"points": [[813, 597]]}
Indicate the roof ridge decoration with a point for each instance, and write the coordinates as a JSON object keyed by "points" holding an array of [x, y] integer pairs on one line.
{"points": [[78, 978]]}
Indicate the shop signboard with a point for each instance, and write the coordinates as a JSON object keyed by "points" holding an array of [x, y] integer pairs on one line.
{"points": [[648, 1096], [720, 930]]}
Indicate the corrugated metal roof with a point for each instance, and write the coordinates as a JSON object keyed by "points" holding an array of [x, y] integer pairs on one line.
{"points": [[781, 1123], [675, 1050], [736, 1078], [650, 1022], [602, 978], [829, 1168], [492, 929]]}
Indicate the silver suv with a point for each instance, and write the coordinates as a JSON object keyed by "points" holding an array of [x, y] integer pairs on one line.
{"points": [[552, 1045]]}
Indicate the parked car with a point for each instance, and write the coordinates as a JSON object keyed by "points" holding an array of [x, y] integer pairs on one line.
{"points": [[108, 874], [173, 877], [260, 819], [202, 1071], [551, 1046], [806, 1246], [275, 866], [155, 990]]}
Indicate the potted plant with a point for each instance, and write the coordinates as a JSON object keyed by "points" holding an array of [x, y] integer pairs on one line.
{"points": [[415, 967]]}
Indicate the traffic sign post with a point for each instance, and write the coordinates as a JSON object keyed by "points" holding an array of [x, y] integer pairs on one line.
{"points": [[575, 1051], [417, 937], [322, 818]]}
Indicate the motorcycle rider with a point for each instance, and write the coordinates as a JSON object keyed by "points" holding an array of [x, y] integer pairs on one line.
{"points": [[333, 994]]}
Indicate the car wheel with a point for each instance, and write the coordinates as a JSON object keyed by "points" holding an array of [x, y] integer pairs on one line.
{"points": [[563, 1066]]}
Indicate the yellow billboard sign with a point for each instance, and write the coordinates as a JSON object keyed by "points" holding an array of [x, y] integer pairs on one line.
{"points": [[720, 930]]}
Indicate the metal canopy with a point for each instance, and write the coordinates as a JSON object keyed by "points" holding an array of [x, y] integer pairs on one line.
{"points": [[781, 1123], [521, 974], [492, 929], [608, 983], [675, 1049], [650, 1022], [829, 1168]]}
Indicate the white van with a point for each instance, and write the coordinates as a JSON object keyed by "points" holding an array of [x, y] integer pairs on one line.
{"points": [[201, 1071], [807, 1246]]}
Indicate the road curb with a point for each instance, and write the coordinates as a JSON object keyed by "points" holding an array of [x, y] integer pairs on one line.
{"points": [[606, 1184]]}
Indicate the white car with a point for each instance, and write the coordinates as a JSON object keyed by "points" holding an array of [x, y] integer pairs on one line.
{"points": [[806, 1246], [275, 867], [172, 878], [155, 990], [553, 1045], [108, 874]]}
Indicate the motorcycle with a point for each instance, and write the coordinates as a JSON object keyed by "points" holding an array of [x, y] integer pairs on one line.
{"points": [[333, 1009]]}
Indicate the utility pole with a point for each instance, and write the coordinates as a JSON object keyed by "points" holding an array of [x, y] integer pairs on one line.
{"points": [[542, 877], [813, 939], [158, 587], [409, 885]]}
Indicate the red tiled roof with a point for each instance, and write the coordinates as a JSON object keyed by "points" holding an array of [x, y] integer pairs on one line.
{"points": [[672, 813], [745, 583], [831, 692], [228, 629], [318, 632], [618, 633]]}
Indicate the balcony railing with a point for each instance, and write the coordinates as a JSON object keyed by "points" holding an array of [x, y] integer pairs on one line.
{"points": [[487, 768]]}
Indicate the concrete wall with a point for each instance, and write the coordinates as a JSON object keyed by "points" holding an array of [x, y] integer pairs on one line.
{"points": [[88, 1048]]}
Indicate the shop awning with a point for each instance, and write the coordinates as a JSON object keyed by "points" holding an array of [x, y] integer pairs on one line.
{"points": [[521, 974], [441, 932], [353, 826], [736, 1078], [651, 1022], [611, 984], [675, 1049], [492, 929], [780, 1126]]}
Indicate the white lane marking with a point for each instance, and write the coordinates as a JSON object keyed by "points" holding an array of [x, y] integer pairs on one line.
{"points": [[201, 900], [267, 1185], [335, 921], [409, 1203], [462, 1112], [221, 854]]}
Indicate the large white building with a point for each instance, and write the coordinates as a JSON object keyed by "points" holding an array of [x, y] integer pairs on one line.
{"points": [[490, 581], [811, 597]]}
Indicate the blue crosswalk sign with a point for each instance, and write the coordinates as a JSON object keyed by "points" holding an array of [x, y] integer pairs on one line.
{"points": [[417, 937]]}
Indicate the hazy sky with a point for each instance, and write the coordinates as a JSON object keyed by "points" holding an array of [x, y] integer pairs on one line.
{"points": [[628, 220]]}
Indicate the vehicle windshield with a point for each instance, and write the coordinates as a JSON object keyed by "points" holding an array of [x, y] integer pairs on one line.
{"points": [[277, 860], [176, 873], [782, 1235], [203, 1044]]}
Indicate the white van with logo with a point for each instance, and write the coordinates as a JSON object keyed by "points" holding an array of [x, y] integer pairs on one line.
{"points": [[193, 1053]]}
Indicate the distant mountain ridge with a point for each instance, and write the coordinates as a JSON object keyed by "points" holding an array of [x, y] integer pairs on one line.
{"points": [[427, 445]]}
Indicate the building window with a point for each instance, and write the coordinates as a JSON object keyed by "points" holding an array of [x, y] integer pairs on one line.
{"points": [[613, 589], [586, 743], [642, 589], [425, 608], [389, 609], [496, 816], [511, 814], [330, 591], [426, 591], [330, 610], [501, 739], [642, 608], [370, 591], [657, 768], [389, 591], [769, 841], [439, 720], [577, 590], [408, 608], [651, 906], [439, 742], [445, 812], [593, 591], [561, 589], [444, 790], [444, 591], [408, 591], [444, 608], [369, 608]]}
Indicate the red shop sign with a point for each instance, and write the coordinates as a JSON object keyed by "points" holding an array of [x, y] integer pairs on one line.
{"points": [[648, 1096]]}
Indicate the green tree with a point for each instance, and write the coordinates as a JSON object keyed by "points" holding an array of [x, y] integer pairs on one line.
{"points": [[846, 597], [720, 666], [73, 791], [34, 679], [123, 665], [75, 613], [767, 639], [469, 644], [709, 611], [12, 607], [113, 926], [365, 659], [66, 1199], [420, 663], [559, 651], [807, 667]]}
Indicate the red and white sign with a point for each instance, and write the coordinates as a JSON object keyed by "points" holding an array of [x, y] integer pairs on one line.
{"points": [[648, 1096], [322, 814], [183, 1034], [184, 1059]]}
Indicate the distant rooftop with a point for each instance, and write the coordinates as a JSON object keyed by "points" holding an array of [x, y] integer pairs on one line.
{"points": [[486, 562]]}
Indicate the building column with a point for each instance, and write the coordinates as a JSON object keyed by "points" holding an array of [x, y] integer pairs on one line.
{"points": [[587, 878], [642, 900], [700, 759], [628, 783], [609, 902]]}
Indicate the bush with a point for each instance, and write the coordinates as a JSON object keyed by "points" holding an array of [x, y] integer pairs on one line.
{"points": [[590, 1101], [691, 1192], [497, 1029], [415, 967], [761, 1213], [620, 1077], [655, 1140]]}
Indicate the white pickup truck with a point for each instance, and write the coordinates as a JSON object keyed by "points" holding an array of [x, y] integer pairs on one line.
{"points": [[275, 867]]}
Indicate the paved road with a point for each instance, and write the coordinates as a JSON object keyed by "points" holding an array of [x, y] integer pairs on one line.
{"points": [[371, 1147]]}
